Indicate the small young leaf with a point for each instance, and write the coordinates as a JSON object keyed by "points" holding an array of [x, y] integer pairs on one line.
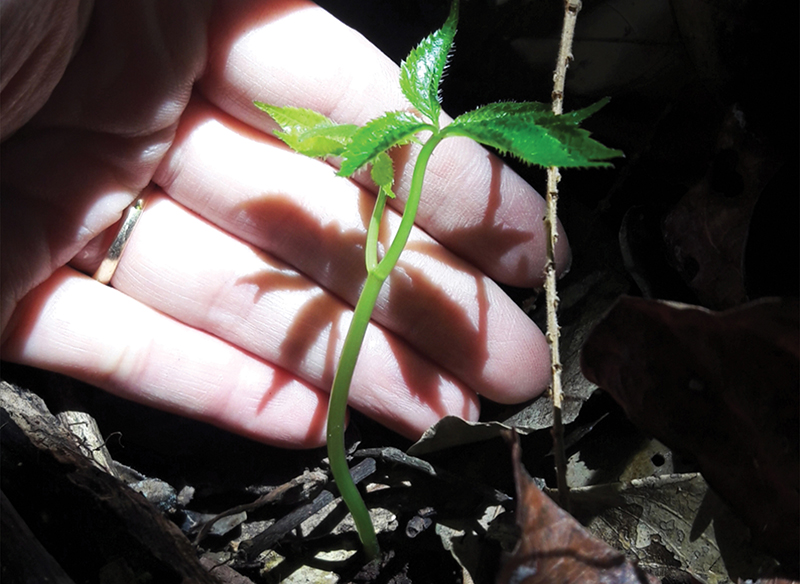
{"points": [[382, 173], [377, 136], [309, 132], [578, 116], [421, 72], [534, 134], [294, 118]]}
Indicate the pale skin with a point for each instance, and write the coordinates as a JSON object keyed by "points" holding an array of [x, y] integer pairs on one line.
{"points": [[234, 293]]}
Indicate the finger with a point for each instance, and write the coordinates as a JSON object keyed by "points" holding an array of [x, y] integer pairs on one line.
{"points": [[472, 203], [203, 277], [73, 325], [296, 209]]}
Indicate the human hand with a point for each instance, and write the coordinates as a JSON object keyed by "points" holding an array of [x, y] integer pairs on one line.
{"points": [[233, 295]]}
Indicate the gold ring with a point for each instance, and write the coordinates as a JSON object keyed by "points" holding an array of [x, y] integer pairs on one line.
{"points": [[109, 264]]}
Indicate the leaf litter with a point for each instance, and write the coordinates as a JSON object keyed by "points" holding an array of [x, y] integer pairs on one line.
{"points": [[721, 387]]}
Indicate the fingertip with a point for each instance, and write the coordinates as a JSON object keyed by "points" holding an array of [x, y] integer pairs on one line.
{"points": [[292, 418], [412, 401], [460, 403], [520, 369]]}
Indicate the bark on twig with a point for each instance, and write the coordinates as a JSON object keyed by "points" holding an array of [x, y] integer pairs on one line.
{"points": [[571, 9]]}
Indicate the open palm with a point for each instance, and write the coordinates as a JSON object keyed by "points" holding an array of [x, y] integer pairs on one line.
{"points": [[232, 298]]}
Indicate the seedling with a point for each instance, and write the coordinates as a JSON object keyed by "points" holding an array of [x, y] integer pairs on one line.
{"points": [[529, 131]]}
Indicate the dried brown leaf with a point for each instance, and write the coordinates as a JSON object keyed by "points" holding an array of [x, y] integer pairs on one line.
{"points": [[721, 386], [554, 548]]}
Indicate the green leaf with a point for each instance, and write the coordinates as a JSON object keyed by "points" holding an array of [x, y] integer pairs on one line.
{"points": [[377, 136], [579, 115], [533, 133], [294, 118], [421, 72], [382, 173], [309, 132]]}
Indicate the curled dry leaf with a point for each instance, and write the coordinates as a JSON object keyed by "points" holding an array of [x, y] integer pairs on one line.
{"points": [[554, 548], [720, 386]]}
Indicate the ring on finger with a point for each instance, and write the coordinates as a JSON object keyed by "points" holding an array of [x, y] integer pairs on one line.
{"points": [[130, 217]]}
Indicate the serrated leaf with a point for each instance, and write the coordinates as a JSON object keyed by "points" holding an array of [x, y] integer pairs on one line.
{"points": [[382, 173], [309, 132], [377, 136], [421, 72], [534, 134]]}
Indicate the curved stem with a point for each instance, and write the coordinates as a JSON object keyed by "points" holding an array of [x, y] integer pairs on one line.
{"points": [[337, 409], [377, 272], [389, 260]]}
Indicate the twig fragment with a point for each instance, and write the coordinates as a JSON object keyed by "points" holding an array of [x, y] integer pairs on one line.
{"points": [[571, 9], [268, 538]]}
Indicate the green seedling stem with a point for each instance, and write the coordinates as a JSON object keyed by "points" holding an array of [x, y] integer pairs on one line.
{"points": [[377, 272], [529, 131]]}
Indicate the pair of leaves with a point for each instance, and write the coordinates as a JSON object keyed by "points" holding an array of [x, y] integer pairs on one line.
{"points": [[529, 131], [309, 132], [313, 134]]}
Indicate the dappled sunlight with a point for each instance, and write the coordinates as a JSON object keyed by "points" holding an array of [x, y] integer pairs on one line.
{"points": [[329, 253], [441, 323], [455, 337], [439, 307], [216, 381], [432, 393], [390, 370], [267, 195], [479, 334], [260, 401]]}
